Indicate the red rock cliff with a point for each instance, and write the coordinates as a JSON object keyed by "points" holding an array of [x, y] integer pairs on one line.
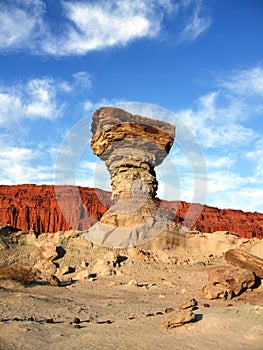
{"points": [[211, 219], [36, 207]]}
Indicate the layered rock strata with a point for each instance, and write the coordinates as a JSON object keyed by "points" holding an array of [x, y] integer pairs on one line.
{"points": [[35, 207], [32, 207], [131, 146]]}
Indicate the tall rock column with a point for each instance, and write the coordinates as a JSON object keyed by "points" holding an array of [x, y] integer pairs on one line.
{"points": [[131, 146]]}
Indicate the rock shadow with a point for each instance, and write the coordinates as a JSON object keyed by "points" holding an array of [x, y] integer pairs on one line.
{"points": [[61, 252], [198, 317]]}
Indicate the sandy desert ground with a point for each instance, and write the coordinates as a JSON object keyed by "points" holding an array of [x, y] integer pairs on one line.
{"points": [[125, 304]]}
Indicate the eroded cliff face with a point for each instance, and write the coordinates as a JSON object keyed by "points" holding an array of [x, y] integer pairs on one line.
{"points": [[211, 219], [36, 207]]}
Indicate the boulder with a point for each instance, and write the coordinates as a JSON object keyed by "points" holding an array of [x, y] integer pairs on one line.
{"points": [[52, 280], [227, 282], [103, 268], [64, 270], [47, 251], [178, 318], [247, 261], [81, 275], [114, 259], [45, 268], [189, 304]]}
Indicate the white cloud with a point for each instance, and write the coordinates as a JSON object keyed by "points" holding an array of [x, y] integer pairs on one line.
{"points": [[217, 121], [232, 188], [11, 154], [256, 156], [197, 23], [257, 153], [16, 174], [222, 181], [97, 25], [225, 123], [246, 82], [65, 86], [82, 79], [42, 99], [36, 98], [10, 106], [20, 21], [85, 25], [21, 165], [247, 199], [217, 161]]}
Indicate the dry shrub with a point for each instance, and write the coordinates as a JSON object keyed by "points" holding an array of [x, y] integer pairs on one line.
{"points": [[18, 273]]}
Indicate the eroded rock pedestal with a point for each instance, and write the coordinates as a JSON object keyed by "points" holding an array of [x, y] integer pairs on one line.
{"points": [[131, 146]]}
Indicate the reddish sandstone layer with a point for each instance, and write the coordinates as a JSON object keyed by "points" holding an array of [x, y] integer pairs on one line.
{"points": [[211, 219], [36, 207]]}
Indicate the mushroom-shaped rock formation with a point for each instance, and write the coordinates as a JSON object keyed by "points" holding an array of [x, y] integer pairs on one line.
{"points": [[131, 146]]}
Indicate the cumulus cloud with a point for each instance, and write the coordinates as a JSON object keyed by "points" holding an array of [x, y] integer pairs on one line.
{"points": [[10, 106], [36, 98], [20, 164], [245, 198], [223, 120], [219, 118], [41, 99], [216, 124]]}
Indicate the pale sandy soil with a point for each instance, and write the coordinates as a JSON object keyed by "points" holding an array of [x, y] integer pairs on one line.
{"points": [[114, 314]]}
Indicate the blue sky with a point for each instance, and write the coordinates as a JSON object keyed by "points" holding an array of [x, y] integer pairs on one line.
{"points": [[200, 60]]}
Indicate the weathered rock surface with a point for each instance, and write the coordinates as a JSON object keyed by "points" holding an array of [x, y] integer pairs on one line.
{"points": [[211, 219], [189, 304], [131, 147], [47, 251], [103, 268], [81, 275], [45, 269], [35, 207], [52, 280], [227, 282], [239, 258], [178, 318]]}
